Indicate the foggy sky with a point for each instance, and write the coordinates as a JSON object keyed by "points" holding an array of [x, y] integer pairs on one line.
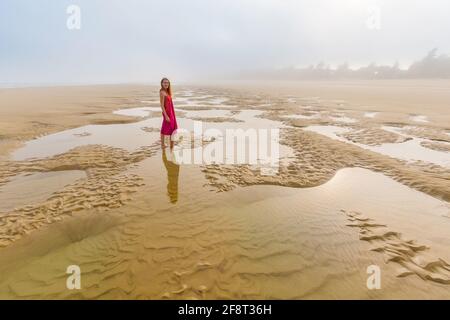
{"points": [[140, 41]]}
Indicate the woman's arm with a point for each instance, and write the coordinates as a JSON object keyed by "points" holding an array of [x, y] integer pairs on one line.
{"points": [[162, 95]]}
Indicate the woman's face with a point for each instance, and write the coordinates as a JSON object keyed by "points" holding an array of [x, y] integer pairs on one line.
{"points": [[165, 84]]}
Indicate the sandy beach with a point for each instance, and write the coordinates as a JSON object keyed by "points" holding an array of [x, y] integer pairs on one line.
{"points": [[363, 179]]}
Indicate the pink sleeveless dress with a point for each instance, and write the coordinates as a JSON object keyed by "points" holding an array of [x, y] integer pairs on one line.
{"points": [[168, 128]]}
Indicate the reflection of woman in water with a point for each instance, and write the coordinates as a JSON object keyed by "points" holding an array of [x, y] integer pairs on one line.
{"points": [[169, 124], [173, 170]]}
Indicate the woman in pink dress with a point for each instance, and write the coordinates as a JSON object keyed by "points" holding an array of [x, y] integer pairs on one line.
{"points": [[169, 124]]}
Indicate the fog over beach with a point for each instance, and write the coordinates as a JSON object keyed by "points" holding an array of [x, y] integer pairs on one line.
{"points": [[349, 102], [136, 41]]}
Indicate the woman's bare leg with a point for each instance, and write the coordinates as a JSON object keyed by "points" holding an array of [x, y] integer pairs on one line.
{"points": [[172, 141], [163, 144]]}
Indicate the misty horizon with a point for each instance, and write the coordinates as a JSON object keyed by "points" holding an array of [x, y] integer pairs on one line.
{"points": [[137, 41], [432, 66]]}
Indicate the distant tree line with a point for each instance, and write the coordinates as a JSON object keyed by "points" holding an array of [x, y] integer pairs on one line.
{"points": [[433, 65]]}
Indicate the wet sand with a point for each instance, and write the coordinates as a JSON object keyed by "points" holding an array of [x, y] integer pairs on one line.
{"points": [[83, 181]]}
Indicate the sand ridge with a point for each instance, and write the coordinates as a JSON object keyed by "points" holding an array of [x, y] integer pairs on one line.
{"points": [[107, 186], [317, 158], [373, 136], [411, 256], [237, 243], [438, 146]]}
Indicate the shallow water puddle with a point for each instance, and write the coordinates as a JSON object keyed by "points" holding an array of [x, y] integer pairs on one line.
{"points": [[154, 101], [203, 106], [33, 188], [410, 150], [201, 101], [210, 113], [291, 100], [145, 112], [302, 116], [343, 119], [137, 112], [329, 131], [128, 136], [256, 242], [413, 149], [250, 123], [187, 93], [419, 118], [370, 114], [252, 120], [176, 239], [218, 100], [131, 136]]}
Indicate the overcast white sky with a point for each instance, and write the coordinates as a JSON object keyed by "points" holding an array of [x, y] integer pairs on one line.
{"points": [[140, 41]]}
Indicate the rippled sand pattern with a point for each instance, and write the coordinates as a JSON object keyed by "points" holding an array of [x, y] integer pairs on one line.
{"points": [[318, 158], [373, 136], [407, 253], [438, 146], [106, 186], [140, 225]]}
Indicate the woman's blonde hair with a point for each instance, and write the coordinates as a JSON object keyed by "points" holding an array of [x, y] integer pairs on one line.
{"points": [[169, 89]]}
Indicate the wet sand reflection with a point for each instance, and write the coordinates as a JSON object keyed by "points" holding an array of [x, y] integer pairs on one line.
{"points": [[173, 171]]}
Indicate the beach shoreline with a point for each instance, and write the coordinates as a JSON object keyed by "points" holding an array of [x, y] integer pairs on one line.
{"points": [[112, 191]]}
